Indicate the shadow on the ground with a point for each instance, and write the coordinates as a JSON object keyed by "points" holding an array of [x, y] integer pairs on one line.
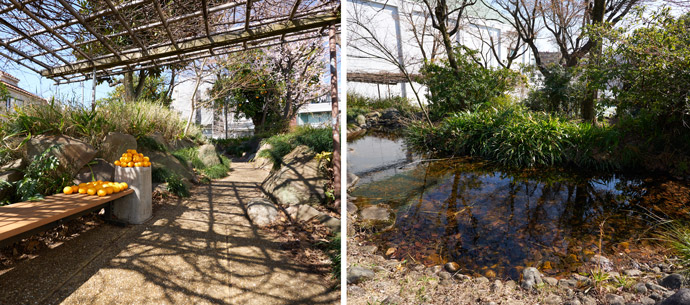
{"points": [[199, 250]]}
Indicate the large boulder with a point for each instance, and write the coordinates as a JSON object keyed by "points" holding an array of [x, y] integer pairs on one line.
{"points": [[208, 155], [299, 180], [11, 172], [262, 162], [305, 213], [160, 140], [99, 170], [181, 143], [73, 154], [262, 212], [166, 160], [682, 297], [115, 144]]}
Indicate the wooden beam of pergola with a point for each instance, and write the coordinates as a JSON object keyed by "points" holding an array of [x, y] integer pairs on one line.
{"points": [[218, 40]]}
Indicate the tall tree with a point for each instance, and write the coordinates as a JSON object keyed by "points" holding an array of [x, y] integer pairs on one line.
{"points": [[446, 18], [568, 25]]}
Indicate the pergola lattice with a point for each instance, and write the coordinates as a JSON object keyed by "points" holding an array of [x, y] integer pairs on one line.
{"points": [[66, 42]]}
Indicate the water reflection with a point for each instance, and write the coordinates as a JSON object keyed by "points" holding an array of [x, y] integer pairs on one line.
{"points": [[494, 223]]}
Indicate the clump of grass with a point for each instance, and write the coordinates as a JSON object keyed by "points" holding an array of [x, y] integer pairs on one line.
{"points": [[676, 235], [317, 139], [150, 143], [159, 174], [71, 119], [517, 138], [219, 170]]}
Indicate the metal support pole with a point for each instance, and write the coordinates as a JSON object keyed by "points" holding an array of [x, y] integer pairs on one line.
{"points": [[93, 92], [335, 115]]}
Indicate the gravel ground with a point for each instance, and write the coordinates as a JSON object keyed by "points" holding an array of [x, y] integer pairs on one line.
{"points": [[198, 250]]}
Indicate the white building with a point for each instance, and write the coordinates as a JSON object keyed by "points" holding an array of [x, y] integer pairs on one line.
{"points": [[17, 96], [402, 26], [213, 123]]}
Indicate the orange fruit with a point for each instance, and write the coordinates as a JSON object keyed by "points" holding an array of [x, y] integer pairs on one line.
{"points": [[146, 159], [91, 191], [135, 159], [109, 190], [67, 190], [102, 193], [124, 185], [148, 164], [75, 188], [117, 163], [130, 164], [116, 188], [82, 190]]}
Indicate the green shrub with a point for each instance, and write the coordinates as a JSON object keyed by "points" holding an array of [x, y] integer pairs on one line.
{"points": [[42, 177], [360, 104], [176, 186], [159, 174], [559, 92], [191, 155], [317, 139], [475, 86]]}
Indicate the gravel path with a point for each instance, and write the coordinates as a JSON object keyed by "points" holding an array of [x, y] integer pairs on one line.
{"points": [[198, 250]]}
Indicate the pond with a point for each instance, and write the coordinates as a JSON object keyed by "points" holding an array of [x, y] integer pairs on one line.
{"points": [[495, 223]]}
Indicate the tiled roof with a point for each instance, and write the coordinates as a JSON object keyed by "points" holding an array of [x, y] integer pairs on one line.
{"points": [[20, 90]]}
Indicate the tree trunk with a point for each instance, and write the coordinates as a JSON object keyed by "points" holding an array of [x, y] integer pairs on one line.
{"points": [[128, 84], [589, 102], [334, 116], [193, 104]]}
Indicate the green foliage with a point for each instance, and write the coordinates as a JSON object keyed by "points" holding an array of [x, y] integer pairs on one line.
{"points": [[359, 104], [191, 155], [559, 92], [159, 174], [517, 138], [219, 170], [236, 146], [150, 143], [41, 177], [176, 186], [4, 92], [318, 139], [647, 70], [155, 89], [475, 86]]}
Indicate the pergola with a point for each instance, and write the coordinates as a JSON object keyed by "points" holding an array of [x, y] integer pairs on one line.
{"points": [[72, 41], [68, 42]]}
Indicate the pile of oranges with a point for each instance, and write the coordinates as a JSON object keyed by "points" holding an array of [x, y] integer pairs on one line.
{"points": [[133, 159], [97, 188]]}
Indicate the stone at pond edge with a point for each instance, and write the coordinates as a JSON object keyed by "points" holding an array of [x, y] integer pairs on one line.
{"points": [[299, 180], [72, 153], [530, 278], [551, 281], [682, 297], [672, 281], [452, 267], [553, 300], [361, 120], [647, 301], [358, 274], [352, 180], [605, 264], [262, 211], [613, 299], [208, 155], [115, 144], [640, 288], [379, 212]]}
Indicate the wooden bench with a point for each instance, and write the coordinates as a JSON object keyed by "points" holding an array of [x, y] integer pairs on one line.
{"points": [[23, 219]]}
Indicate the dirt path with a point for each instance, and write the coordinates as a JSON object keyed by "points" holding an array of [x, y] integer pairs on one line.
{"points": [[199, 250]]}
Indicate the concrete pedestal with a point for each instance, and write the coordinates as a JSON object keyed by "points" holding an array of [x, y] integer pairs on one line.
{"points": [[135, 208]]}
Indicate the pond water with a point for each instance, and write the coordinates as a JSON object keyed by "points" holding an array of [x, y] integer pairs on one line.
{"points": [[494, 223]]}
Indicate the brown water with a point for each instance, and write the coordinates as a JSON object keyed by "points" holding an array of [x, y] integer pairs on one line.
{"points": [[495, 223]]}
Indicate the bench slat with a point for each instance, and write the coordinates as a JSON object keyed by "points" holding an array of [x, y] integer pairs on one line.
{"points": [[21, 217]]}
